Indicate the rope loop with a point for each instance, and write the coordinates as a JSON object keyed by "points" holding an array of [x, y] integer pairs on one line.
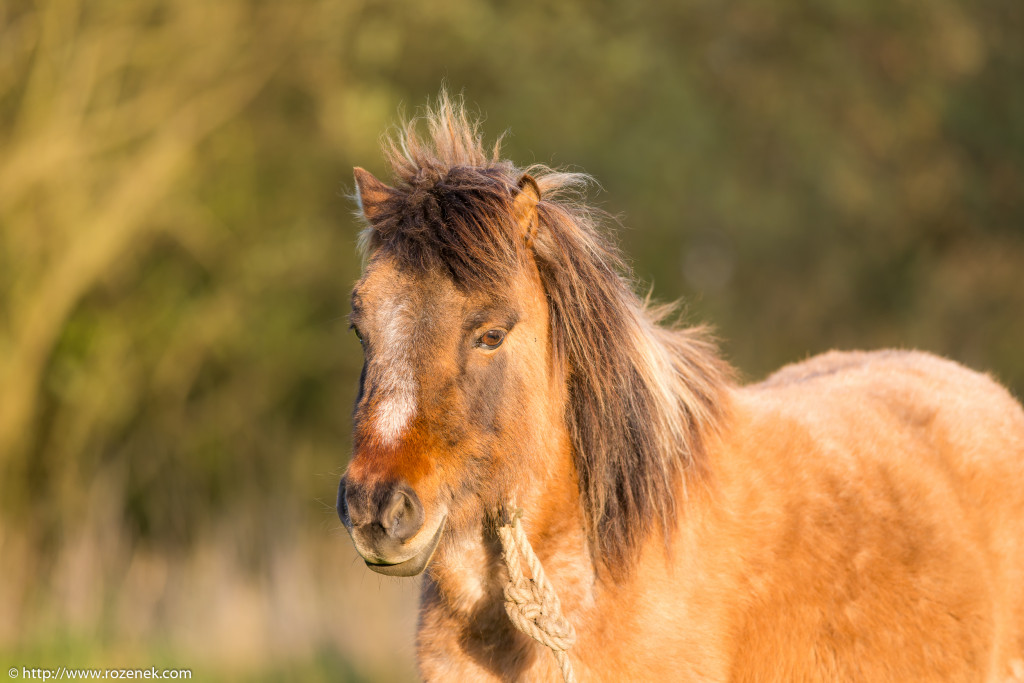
{"points": [[530, 602]]}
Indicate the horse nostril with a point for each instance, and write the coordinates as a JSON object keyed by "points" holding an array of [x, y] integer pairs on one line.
{"points": [[342, 504], [403, 516]]}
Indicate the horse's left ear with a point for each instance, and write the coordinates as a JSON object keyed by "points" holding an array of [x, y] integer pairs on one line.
{"points": [[525, 207], [371, 193]]}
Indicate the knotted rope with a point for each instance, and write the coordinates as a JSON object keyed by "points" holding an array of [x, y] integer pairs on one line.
{"points": [[531, 602]]}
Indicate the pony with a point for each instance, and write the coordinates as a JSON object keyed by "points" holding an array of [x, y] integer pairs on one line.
{"points": [[855, 516]]}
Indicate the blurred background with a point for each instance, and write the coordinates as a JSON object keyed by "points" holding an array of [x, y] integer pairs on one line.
{"points": [[177, 247]]}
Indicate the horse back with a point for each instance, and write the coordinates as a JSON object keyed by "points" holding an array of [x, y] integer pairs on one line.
{"points": [[877, 500]]}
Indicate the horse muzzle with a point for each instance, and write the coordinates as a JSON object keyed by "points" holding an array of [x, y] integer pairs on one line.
{"points": [[386, 524], [415, 564]]}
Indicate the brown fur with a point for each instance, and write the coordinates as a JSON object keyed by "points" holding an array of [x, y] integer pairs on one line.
{"points": [[854, 517]]}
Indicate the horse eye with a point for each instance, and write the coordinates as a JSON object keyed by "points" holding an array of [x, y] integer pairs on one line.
{"points": [[492, 339]]}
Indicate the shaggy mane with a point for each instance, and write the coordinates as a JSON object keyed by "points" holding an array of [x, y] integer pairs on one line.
{"points": [[644, 395]]}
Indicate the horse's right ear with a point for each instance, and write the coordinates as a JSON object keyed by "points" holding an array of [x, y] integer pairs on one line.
{"points": [[525, 207], [371, 193]]}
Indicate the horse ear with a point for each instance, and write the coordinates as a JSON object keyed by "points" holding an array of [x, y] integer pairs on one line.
{"points": [[370, 192], [525, 207]]}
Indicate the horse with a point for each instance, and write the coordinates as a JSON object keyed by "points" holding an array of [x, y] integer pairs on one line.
{"points": [[858, 516]]}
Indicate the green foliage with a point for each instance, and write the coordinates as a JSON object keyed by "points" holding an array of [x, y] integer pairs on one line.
{"points": [[176, 248]]}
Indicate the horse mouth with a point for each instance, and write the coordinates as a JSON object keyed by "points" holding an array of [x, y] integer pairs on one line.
{"points": [[414, 565]]}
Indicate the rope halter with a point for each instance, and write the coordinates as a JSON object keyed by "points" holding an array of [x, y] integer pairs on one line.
{"points": [[531, 602]]}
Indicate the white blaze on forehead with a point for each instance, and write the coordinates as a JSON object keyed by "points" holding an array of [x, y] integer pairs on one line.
{"points": [[396, 380]]}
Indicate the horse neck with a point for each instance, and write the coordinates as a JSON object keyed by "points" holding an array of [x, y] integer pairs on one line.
{"points": [[468, 577]]}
